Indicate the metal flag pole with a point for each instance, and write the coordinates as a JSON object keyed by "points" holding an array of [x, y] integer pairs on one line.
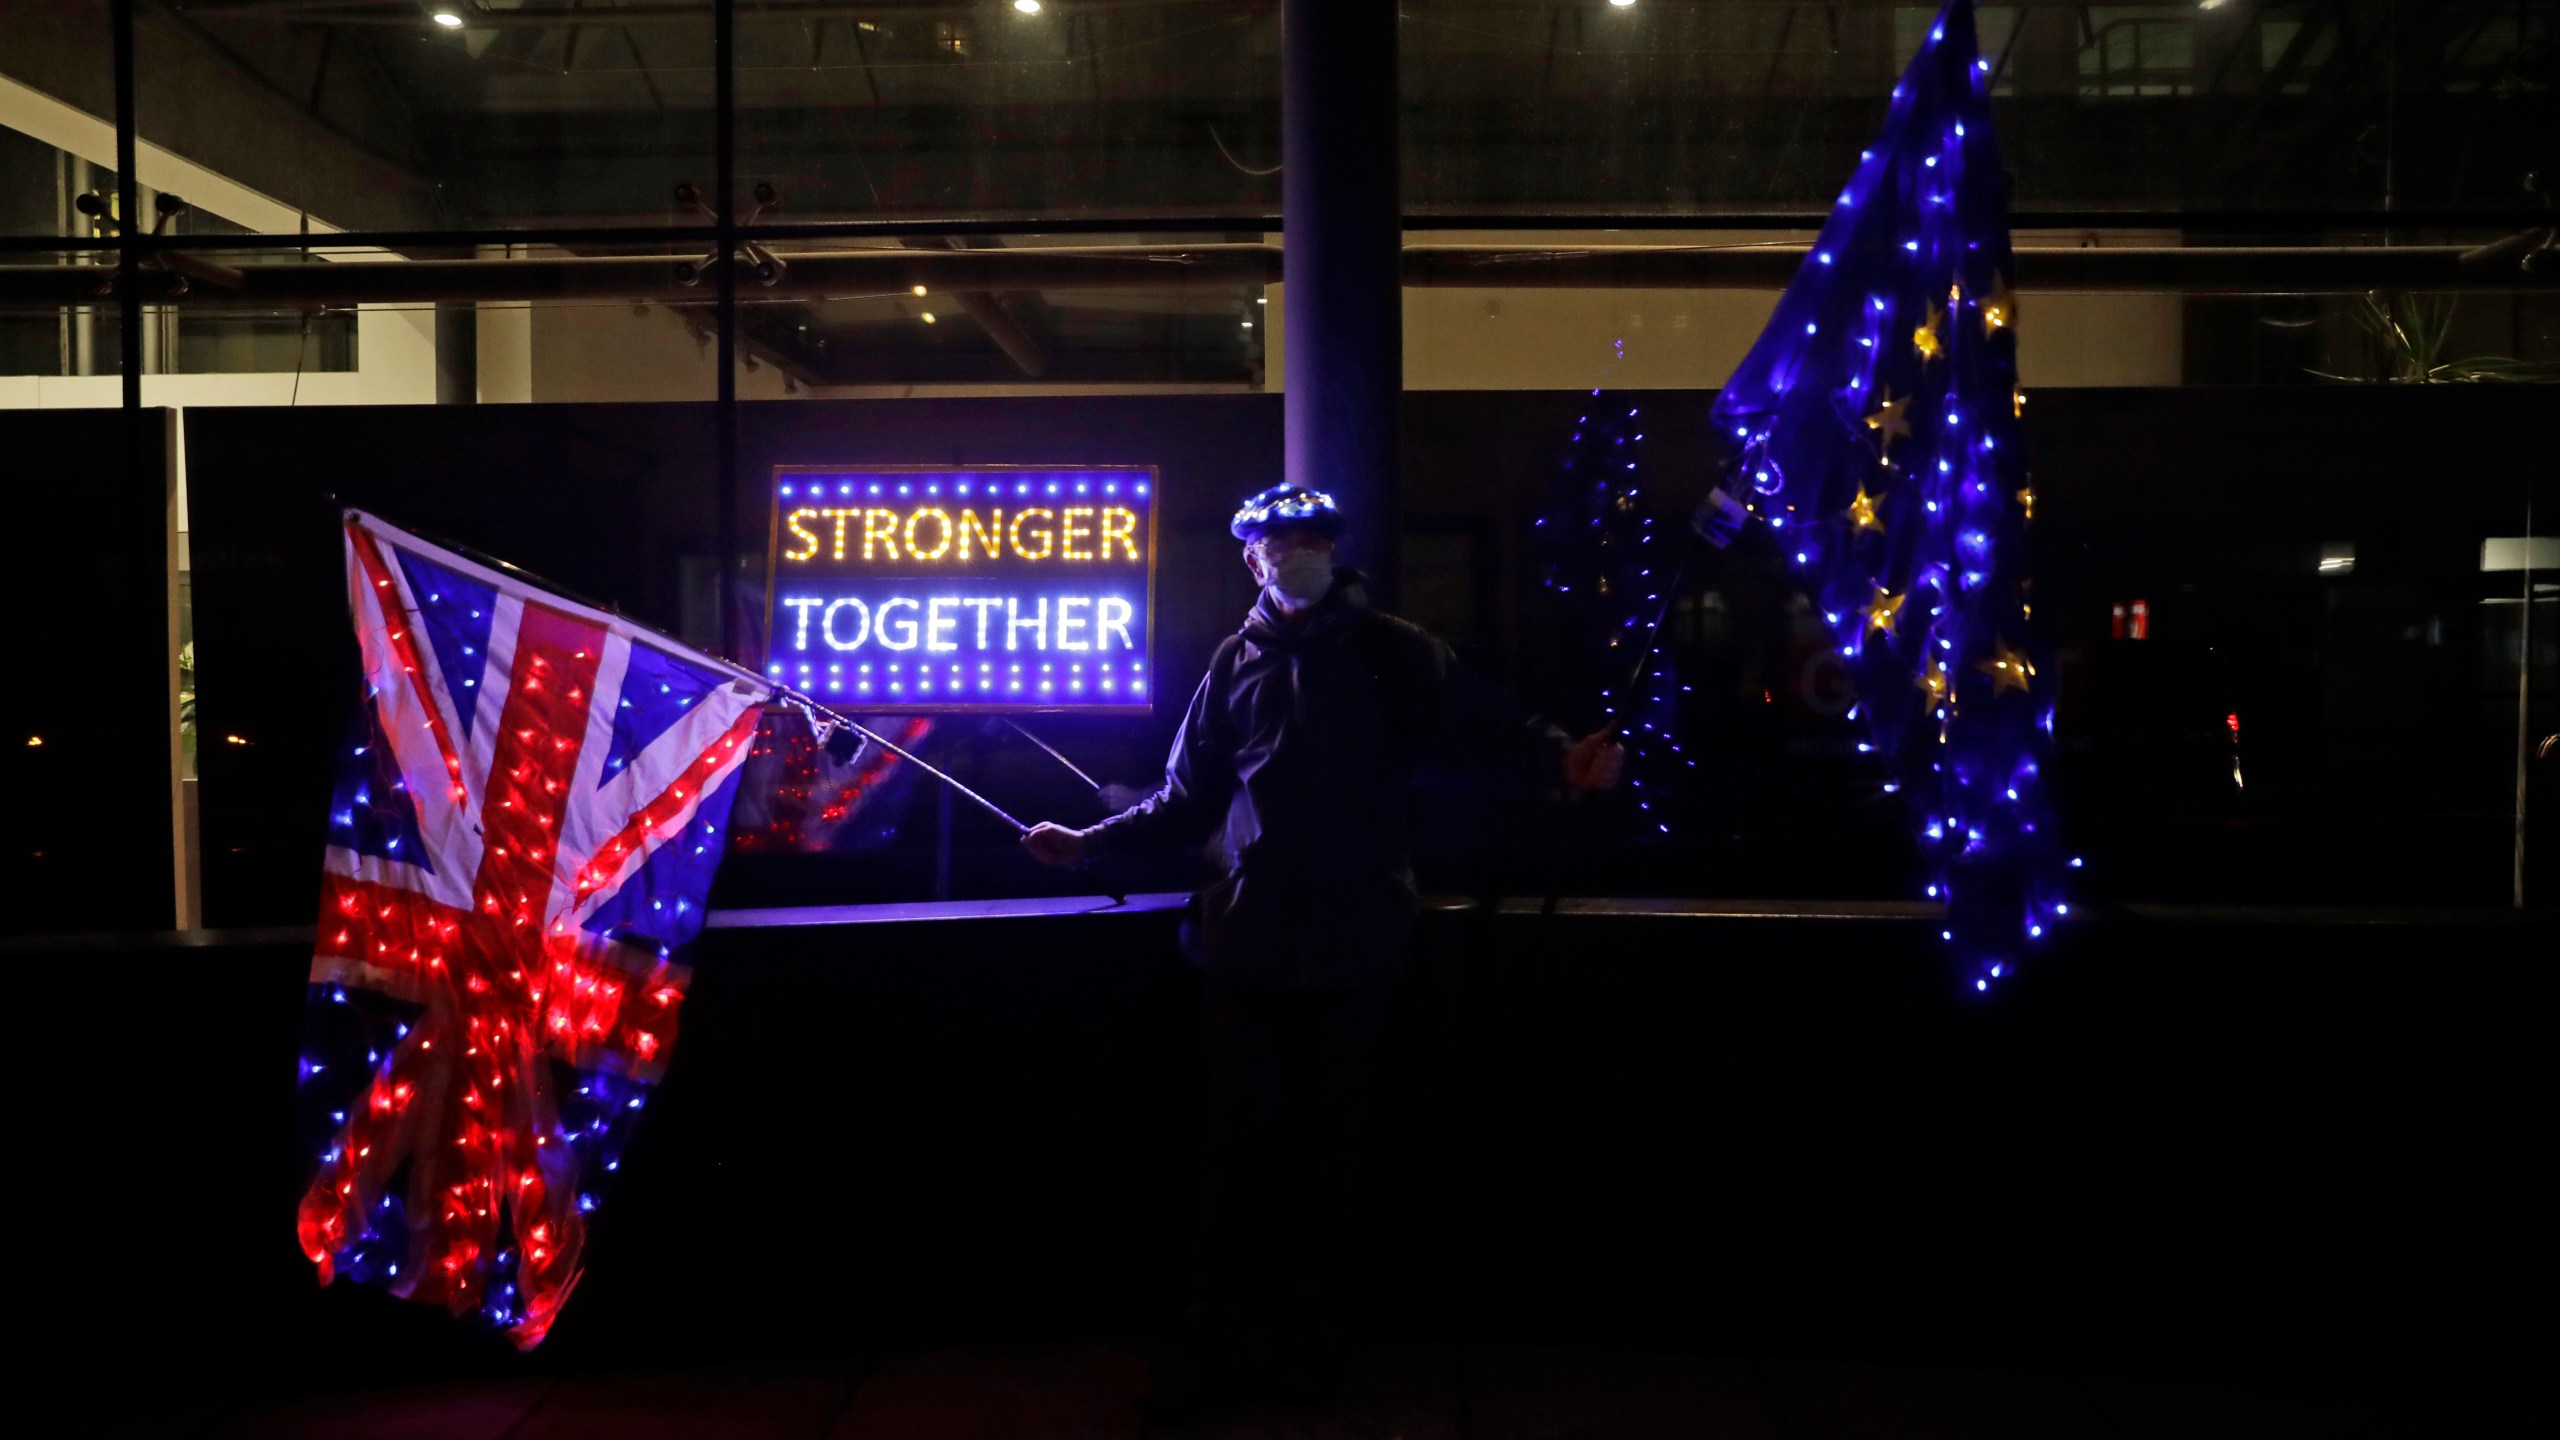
{"points": [[1052, 752], [1653, 637], [894, 748], [1118, 897], [741, 672], [1713, 526], [884, 742]]}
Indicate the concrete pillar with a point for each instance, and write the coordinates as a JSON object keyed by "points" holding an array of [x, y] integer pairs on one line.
{"points": [[1341, 241]]}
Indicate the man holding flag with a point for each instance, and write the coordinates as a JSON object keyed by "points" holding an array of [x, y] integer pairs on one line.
{"points": [[1294, 764]]}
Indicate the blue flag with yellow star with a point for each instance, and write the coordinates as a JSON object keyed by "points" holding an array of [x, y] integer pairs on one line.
{"points": [[1876, 428]]}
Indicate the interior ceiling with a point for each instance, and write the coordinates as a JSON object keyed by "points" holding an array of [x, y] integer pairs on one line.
{"points": [[593, 109], [547, 111]]}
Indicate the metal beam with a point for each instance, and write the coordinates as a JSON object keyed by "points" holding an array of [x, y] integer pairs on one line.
{"points": [[988, 312], [2488, 220], [403, 14], [2209, 270], [880, 273], [854, 274]]}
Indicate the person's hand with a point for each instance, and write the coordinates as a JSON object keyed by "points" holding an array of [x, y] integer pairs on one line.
{"points": [[1052, 844], [1595, 762]]}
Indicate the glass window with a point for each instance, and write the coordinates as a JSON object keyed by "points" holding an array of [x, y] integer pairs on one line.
{"points": [[57, 117], [1751, 105], [430, 116], [1035, 233], [1002, 111]]}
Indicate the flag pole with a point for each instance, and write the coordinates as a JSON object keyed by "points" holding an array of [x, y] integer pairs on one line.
{"points": [[1653, 637], [349, 513], [1052, 752], [1712, 527], [884, 742]]}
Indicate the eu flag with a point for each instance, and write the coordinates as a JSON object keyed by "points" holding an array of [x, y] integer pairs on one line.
{"points": [[1876, 425]]}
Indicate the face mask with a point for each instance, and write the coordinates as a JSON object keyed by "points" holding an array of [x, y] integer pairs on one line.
{"points": [[1302, 576]]}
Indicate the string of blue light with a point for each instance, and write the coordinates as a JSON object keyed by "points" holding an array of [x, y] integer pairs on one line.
{"points": [[1603, 556], [1877, 427]]}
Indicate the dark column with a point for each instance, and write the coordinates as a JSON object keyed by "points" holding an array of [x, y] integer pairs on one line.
{"points": [[458, 354], [130, 226], [724, 410], [1341, 240]]}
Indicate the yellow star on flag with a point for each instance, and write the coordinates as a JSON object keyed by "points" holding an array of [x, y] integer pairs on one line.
{"points": [[1925, 339], [2007, 668], [1888, 421], [2000, 307], [1862, 511], [1884, 610]]}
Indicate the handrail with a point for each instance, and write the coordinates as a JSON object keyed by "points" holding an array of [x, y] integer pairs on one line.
{"points": [[1581, 907]]}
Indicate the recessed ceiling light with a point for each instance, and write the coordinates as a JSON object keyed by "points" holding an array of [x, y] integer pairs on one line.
{"points": [[448, 19], [928, 317], [1621, 4], [919, 289], [1027, 7]]}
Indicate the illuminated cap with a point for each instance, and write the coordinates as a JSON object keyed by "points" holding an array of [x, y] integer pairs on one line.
{"points": [[1287, 507]]}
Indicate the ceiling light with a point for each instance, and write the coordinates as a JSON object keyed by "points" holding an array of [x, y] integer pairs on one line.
{"points": [[919, 289], [1027, 7], [928, 317], [449, 19], [1621, 4]]}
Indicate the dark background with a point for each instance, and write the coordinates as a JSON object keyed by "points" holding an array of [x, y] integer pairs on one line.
{"points": [[2292, 1152], [2204, 1138], [86, 833]]}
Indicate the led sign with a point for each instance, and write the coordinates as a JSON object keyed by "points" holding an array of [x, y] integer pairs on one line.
{"points": [[989, 588]]}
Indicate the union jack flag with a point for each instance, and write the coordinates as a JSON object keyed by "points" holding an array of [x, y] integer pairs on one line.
{"points": [[522, 836]]}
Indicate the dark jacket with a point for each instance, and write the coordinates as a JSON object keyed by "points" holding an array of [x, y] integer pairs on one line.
{"points": [[1296, 764]]}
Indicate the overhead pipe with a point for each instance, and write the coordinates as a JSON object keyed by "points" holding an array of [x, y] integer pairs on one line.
{"points": [[1229, 268], [843, 274]]}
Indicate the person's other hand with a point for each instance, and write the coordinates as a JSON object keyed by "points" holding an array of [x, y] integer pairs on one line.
{"points": [[1052, 844], [1595, 762]]}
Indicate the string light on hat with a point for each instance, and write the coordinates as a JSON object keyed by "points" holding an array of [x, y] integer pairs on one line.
{"points": [[1286, 505]]}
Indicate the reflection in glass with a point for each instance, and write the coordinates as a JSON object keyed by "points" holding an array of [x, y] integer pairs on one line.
{"points": [[1750, 105], [381, 116]]}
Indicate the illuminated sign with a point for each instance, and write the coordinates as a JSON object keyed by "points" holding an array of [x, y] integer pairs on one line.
{"points": [[938, 589]]}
